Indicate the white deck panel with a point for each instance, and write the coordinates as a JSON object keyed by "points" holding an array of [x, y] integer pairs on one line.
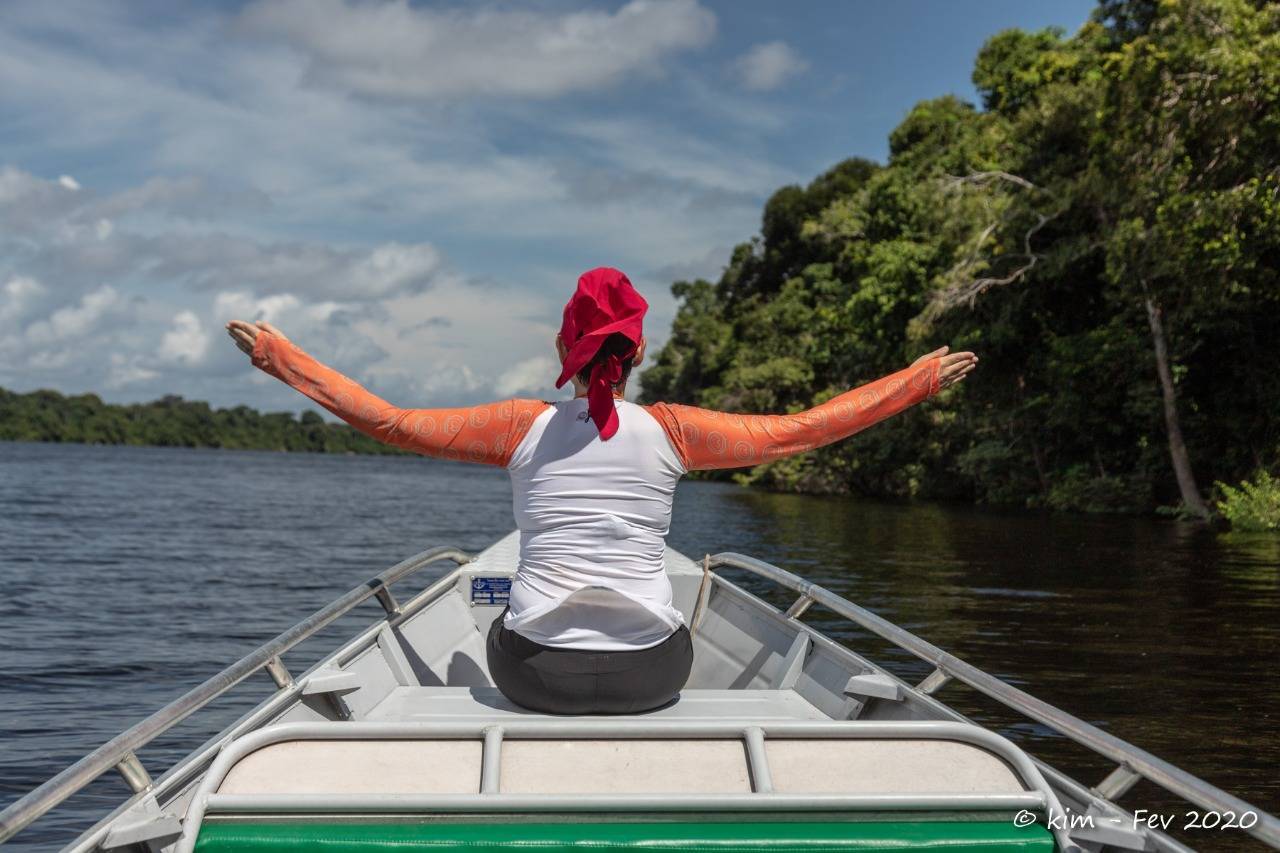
{"points": [[667, 766], [893, 766], [465, 704], [358, 767]]}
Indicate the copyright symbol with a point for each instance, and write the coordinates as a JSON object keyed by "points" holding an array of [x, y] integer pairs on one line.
{"points": [[1024, 818]]}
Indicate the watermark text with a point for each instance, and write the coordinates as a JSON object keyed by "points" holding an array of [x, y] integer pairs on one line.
{"points": [[1143, 819]]}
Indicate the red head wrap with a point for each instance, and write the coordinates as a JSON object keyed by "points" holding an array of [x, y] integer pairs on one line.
{"points": [[604, 303]]}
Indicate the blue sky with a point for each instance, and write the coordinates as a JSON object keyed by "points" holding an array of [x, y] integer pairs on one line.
{"points": [[410, 190]]}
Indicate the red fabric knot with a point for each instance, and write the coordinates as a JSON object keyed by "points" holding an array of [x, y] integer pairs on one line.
{"points": [[600, 406], [604, 304]]}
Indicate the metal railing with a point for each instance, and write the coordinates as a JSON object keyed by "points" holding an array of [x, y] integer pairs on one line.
{"points": [[1133, 764], [120, 751], [1033, 792]]}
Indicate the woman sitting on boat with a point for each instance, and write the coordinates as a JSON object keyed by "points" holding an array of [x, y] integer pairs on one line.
{"points": [[591, 627]]}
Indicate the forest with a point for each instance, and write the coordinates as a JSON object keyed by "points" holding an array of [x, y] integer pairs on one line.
{"points": [[172, 422], [1103, 230]]}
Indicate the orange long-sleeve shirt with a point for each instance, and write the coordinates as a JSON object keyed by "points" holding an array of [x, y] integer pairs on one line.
{"points": [[707, 439], [593, 512], [489, 433]]}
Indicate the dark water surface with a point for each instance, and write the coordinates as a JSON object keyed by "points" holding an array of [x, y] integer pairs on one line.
{"points": [[132, 574]]}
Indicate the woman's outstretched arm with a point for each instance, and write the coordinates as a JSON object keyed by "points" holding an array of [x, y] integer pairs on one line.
{"points": [[487, 433], [707, 439]]}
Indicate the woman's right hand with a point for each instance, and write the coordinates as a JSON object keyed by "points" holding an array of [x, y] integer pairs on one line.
{"points": [[245, 334]]}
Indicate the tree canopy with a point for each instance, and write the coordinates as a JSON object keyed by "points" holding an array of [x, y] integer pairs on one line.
{"points": [[172, 422], [1104, 231]]}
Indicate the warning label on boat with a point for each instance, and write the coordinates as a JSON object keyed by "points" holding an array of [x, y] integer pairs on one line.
{"points": [[490, 590]]}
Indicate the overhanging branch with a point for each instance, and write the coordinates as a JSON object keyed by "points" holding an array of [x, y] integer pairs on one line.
{"points": [[962, 287]]}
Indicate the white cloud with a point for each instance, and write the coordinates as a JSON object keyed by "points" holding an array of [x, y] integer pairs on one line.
{"points": [[449, 381], [67, 325], [389, 48], [68, 182], [186, 342], [707, 265], [126, 370], [73, 243], [664, 153], [530, 377], [28, 202], [120, 316], [216, 260], [188, 197], [768, 66], [18, 295], [391, 267], [323, 162], [268, 192], [243, 305]]}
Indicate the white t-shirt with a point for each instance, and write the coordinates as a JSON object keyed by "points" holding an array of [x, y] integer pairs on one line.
{"points": [[593, 514]]}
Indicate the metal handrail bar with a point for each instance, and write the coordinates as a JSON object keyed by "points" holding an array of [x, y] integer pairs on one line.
{"points": [[27, 809], [198, 761], [348, 804], [1036, 794], [1191, 788]]}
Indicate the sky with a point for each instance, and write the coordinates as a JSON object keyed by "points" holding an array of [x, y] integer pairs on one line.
{"points": [[410, 190]]}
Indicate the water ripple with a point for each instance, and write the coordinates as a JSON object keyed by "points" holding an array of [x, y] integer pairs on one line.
{"points": [[132, 574]]}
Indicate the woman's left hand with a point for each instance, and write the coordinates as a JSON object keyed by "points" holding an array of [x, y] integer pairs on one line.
{"points": [[245, 334], [954, 368]]}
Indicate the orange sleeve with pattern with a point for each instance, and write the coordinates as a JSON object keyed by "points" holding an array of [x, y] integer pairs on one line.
{"points": [[487, 433], [707, 439]]}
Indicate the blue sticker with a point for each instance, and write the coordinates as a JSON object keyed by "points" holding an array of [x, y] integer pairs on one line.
{"points": [[490, 590]]}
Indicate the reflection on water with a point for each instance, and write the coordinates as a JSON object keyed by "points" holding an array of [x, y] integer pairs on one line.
{"points": [[1165, 634], [132, 574]]}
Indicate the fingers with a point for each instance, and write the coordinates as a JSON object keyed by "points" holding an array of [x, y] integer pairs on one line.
{"points": [[955, 375], [940, 351], [270, 329], [954, 367], [244, 334], [242, 340], [958, 371], [957, 363], [958, 358]]}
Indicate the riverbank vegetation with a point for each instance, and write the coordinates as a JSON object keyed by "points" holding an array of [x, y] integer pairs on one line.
{"points": [[1254, 506], [172, 422], [1104, 230]]}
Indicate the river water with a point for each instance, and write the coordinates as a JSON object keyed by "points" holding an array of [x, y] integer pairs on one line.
{"points": [[132, 574]]}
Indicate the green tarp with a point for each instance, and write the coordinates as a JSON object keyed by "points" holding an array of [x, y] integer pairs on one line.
{"points": [[708, 837]]}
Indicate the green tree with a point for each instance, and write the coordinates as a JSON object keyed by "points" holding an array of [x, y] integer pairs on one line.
{"points": [[172, 422], [1104, 232]]}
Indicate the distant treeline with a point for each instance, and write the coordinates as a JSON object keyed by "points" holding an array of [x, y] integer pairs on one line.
{"points": [[1104, 230], [172, 422]]}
